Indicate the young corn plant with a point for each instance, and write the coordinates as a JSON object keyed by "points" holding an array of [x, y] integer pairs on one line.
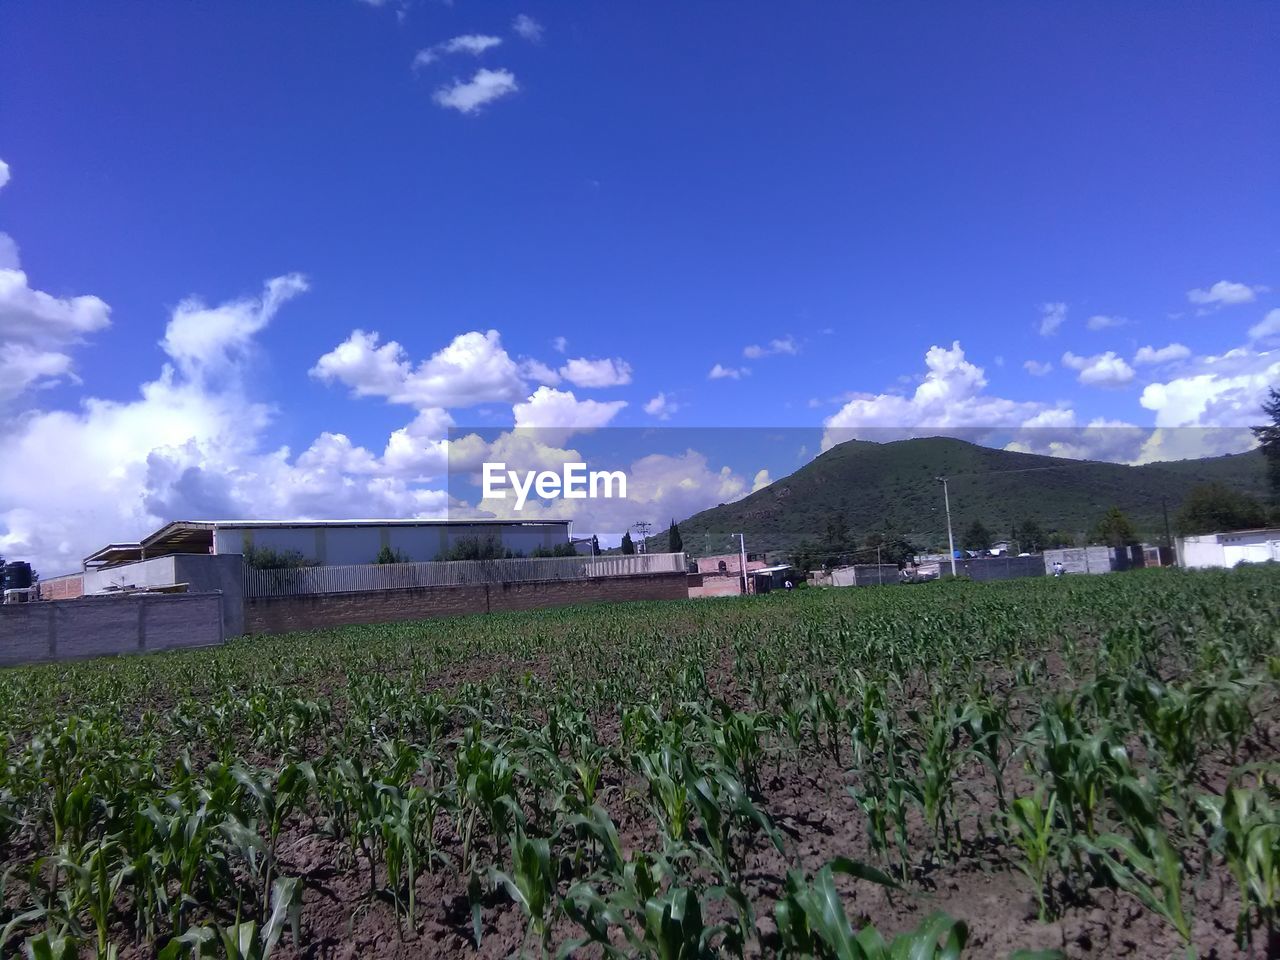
{"points": [[1246, 833], [531, 883], [1031, 828]]}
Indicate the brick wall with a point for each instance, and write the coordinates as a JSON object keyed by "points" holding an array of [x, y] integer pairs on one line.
{"points": [[62, 588], [286, 614], [93, 627]]}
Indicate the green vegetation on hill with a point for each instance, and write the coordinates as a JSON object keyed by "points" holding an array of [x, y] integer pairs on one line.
{"points": [[890, 488]]}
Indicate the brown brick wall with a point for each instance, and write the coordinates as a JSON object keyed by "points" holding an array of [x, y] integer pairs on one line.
{"points": [[62, 588], [286, 614]]}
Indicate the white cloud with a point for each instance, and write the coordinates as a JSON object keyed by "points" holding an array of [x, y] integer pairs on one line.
{"points": [[559, 344], [559, 414], [1266, 328], [761, 480], [1150, 355], [37, 329], [1101, 321], [720, 372], [950, 400], [1101, 370], [485, 87], [472, 369], [472, 43], [538, 372], [4, 174], [1225, 293], [661, 407], [1054, 433], [527, 27], [605, 372], [785, 345], [186, 446], [1052, 316], [1215, 391], [209, 341], [1037, 368]]}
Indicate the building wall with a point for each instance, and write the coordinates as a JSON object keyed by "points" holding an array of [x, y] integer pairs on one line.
{"points": [[1080, 559], [864, 574], [1229, 549], [66, 587], [1001, 568], [268, 615], [156, 572], [362, 544], [92, 627]]}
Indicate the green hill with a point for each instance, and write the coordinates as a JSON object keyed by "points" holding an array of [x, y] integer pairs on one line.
{"points": [[891, 487]]}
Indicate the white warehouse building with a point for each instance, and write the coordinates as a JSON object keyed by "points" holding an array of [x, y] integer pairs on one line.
{"points": [[329, 542], [1229, 549]]}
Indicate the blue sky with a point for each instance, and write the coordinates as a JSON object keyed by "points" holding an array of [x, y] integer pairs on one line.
{"points": [[888, 200]]}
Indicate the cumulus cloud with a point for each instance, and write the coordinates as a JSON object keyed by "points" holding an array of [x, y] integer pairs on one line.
{"points": [[785, 345], [1037, 368], [470, 95], [1225, 390], [1052, 316], [661, 406], [1150, 356], [1055, 433], [761, 480], [1267, 328], [473, 369], [538, 372], [210, 341], [472, 43], [1225, 293], [4, 174], [606, 372], [37, 329], [559, 414], [527, 27], [1101, 370], [949, 400], [559, 344], [721, 372], [187, 446]]}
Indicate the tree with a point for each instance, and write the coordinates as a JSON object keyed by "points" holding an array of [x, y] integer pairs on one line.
{"points": [[977, 537], [627, 545], [887, 548], [473, 548], [387, 555], [1115, 530], [674, 543], [1268, 436], [1212, 508], [1030, 537], [805, 557]]}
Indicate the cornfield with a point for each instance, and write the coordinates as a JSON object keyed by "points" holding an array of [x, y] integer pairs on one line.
{"points": [[1083, 767]]}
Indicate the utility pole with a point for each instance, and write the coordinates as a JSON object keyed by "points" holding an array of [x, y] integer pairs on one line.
{"points": [[951, 540], [742, 558], [1168, 535], [642, 527]]}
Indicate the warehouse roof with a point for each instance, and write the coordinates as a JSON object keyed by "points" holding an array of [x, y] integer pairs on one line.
{"points": [[196, 536]]}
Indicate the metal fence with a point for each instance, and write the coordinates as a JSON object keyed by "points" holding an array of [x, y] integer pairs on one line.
{"points": [[301, 581]]}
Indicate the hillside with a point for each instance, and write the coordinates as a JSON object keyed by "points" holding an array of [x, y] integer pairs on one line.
{"points": [[891, 486]]}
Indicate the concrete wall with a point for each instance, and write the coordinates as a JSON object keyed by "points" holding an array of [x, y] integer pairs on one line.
{"points": [[362, 544], [1000, 568], [285, 614], [1229, 549], [864, 574], [131, 623], [157, 572], [1080, 559], [201, 572]]}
